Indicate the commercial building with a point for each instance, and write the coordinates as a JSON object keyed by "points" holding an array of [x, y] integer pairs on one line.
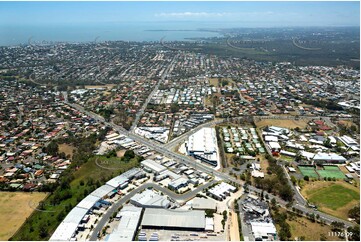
{"points": [[263, 231], [69, 226], [199, 203], [129, 221], [118, 182], [348, 141], [329, 158], [221, 191], [150, 199], [203, 146], [153, 166], [154, 218], [178, 183]]}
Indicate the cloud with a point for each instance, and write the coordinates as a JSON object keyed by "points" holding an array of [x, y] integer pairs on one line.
{"points": [[192, 14]]}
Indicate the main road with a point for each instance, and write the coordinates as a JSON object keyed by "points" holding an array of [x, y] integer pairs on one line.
{"points": [[144, 106], [202, 167]]}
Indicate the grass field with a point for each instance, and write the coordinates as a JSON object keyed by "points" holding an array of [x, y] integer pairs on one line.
{"points": [[308, 171], [15, 207], [335, 198], [285, 123], [331, 171]]}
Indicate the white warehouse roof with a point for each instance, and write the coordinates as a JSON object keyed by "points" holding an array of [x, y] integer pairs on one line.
{"points": [[154, 166], [192, 219], [88, 202], [128, 224]]}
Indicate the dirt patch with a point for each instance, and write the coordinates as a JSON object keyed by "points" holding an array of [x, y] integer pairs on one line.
{"points": [[301, 226], [120, 153], [108, 86], [67, 149], [213, 81], [15, 207], [285, 123], [234, 231]]}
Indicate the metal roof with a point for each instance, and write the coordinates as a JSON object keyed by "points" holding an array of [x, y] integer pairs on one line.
{"points": [[156, 217]]}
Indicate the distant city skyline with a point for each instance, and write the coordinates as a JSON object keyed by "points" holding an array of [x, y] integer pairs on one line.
{"points": [[259, 14]]}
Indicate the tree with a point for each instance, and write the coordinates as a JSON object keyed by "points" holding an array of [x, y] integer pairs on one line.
{"points": [[129, 154], [174, 107], [273, 202], [43, 230], [354, 213], [337, 226], [294, 180], [306, 178], [52, 148], [354, 233]]}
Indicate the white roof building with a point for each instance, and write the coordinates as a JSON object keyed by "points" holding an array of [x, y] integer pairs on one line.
{"points": [[263, 230], [67, 229], [117, 181], [274, 145], [173, 219], [88, 202], [348, 141], [150, 199], [329, 157], [102, 191], [128, 225], [153, 166], [203, 145]]}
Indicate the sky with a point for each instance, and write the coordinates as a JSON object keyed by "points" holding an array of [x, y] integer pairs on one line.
{"points": [[268, 13]]}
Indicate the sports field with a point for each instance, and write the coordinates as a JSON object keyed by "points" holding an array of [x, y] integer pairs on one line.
{"points": [[335, 198], [331, 171], [308, 171], [15, 207]]}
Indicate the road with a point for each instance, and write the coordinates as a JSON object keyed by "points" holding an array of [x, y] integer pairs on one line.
{"points": [[180, 198], [184, 137], [202, 167], [145, 104]]}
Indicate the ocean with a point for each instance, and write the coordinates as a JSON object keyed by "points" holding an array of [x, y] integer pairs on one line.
{"points": [[154, 31]]}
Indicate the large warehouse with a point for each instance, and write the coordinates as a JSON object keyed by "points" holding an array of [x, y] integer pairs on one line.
{"points": [[155, 218], [203, 146]]}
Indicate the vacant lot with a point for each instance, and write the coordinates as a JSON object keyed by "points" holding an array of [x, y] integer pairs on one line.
{"points": [[285, 123], [67, 149], [301, 226], [213, 81], [335, 198], [15, 207], [108, 86]]}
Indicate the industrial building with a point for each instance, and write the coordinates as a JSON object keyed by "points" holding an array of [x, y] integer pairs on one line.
{"points": [[263, 231], [221, 191], [199, 203], [150, 199], [154, 218], [178, 183], [203, 146], [69, 226], [153, 166], [129, 221]]}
